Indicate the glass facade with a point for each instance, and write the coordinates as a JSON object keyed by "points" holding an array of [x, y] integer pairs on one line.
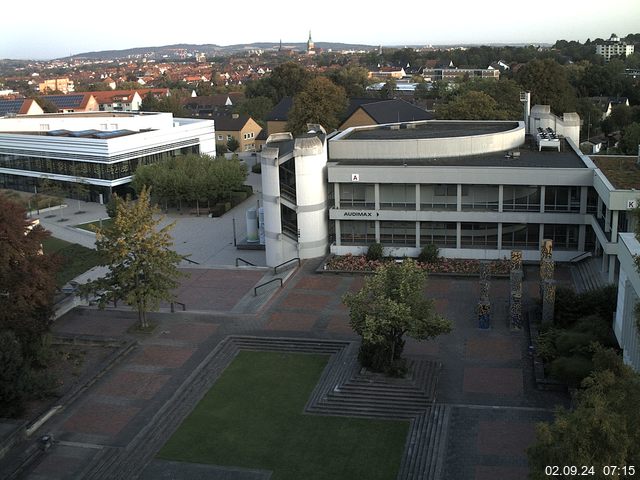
{"points": [[357, 233], [479, 235], [357, 195], [96, 170], [438, 197], [398, 196], [521, 235], [480, 197], [517, 198], [441, 234], [562, 199], [565, 237], [401, 234]]}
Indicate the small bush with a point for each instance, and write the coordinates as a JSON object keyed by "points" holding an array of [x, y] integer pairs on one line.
{"points": [[257, 168], [217, 210], [569, 342], [227, 206], [429, 254], [571, 370], [237, 197], [375, 252]]}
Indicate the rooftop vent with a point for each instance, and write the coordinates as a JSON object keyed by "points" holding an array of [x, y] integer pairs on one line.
{"points": [[393, 127]]}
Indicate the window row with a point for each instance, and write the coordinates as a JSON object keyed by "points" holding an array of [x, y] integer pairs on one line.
{"points": [[515, 198], [444, 234], [75, 168]]}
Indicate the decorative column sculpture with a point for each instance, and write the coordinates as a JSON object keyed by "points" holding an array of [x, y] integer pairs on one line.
{"points": [[484, 305], [515, 296], [547, 283]]}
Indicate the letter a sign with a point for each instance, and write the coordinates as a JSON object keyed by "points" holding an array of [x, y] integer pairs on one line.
{"points": [[355, 177]]}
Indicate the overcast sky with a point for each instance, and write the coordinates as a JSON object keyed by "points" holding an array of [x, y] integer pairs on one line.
{"points": [[45, 30]]}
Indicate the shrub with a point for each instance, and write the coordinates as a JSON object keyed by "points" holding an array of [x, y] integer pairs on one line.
{"points": [[429, 254], [375, 252], [13, 375], [237, 197], [571, 370], [569, 342], [570, 307], [257, 168]]}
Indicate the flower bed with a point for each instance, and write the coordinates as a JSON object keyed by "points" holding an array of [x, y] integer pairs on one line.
{"points": [[459, 266]]}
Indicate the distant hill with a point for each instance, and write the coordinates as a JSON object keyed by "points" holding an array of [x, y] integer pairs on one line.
{"points": [[169, 51]]}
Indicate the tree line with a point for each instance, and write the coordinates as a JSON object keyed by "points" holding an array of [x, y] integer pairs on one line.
{"points": [[191, 179]]}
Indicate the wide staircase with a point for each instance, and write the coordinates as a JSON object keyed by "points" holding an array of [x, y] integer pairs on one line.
{"points": [[586, 275]]}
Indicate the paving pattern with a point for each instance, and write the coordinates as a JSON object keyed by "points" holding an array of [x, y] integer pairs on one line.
{"points": [[484, 415]]}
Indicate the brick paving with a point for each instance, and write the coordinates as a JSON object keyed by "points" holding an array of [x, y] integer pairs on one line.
{"points": [[486, 376]]}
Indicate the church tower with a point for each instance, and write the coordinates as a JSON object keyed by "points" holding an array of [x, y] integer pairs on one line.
{"points": [[311, 49]]}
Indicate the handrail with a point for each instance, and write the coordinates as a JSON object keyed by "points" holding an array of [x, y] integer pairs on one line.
{"points": [[189, 260], [582, 256], [184, 307], [275, 269], [255, 290], [243, 260]]}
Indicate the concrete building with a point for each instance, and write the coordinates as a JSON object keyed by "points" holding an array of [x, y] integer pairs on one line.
{"points": [[614, 48], [99, 149], [62, 85], [625, 325], [241, 127], [433, 74]]}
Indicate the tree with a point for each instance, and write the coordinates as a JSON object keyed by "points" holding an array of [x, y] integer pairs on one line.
{"points": [[27, 277], [320, 102], [388, 90], [143, 270], [389, 305], [630, 141], [13, 375], [470, 105], [256, 107], [233, 144], [286, 80], [603, 428], [548, 83], [354, 79]]}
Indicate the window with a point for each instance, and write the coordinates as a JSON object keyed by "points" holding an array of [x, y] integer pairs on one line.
{"points": [[353, 232], [517, 198], [220, 137], [480, 197], [521, 235], [438, 197], [398, 233], [480, 235], [357, 195], [565, 237], [441, 234], [229, 137], [562, 199], [398, 196]]}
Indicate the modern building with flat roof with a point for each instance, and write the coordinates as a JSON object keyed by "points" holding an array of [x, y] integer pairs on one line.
{"points": [[99, 149], [475, 189]]}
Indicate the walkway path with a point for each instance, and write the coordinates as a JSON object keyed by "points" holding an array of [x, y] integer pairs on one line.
{"points": [[490, 405]]}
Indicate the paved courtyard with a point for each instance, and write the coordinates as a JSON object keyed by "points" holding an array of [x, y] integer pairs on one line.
{"points": [[486, 378]]}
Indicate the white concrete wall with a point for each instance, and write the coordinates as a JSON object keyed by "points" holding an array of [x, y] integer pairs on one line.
{"points": [[274, 239], [624, 324], [311, 197], [343, 147], [567, 126]]}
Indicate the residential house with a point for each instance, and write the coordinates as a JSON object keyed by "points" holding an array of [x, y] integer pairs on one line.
{"points": [[373, 111], [390, 72], [241, 127], [75, 102], [63, 85], [21, 106], [212, 105], [118, 100], [614, 48]]}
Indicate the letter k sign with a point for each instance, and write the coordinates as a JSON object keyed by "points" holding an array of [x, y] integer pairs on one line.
{"points": [[355, 177]]}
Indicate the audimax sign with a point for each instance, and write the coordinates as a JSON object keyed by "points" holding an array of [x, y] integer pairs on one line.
{"points": [[360, 214]]}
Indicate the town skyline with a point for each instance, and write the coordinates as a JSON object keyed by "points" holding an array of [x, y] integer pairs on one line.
{"points": [[492, 22]]}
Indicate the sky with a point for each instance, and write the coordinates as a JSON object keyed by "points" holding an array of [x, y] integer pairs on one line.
{"points": [[47, 30]]}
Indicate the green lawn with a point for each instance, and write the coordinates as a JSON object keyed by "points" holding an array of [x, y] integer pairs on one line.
{"points": [[76, 259], [92, 226], [253, 418]]}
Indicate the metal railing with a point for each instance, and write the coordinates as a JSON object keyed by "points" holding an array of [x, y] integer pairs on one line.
{"points": [[255, 290], [275, 269], [582, 256], [173, 308], [189, 260], [238, 259]]}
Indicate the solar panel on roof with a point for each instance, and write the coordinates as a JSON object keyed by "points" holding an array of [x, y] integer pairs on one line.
{"points": [[66, 101], [84, 133], [112, 134], [58, 133], [10, 106]]}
